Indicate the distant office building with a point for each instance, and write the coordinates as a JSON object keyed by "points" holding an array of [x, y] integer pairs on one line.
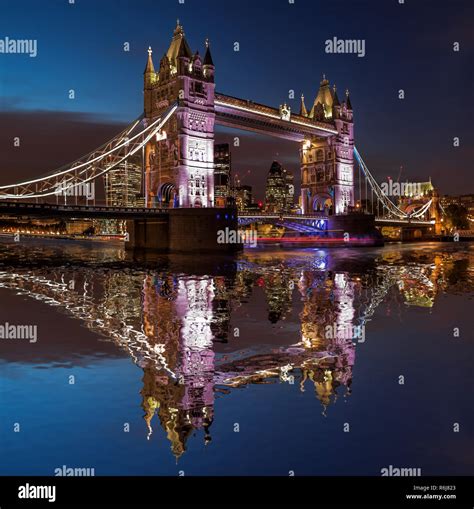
{"points": [[243, 197], [290, 191], [279, 193], [222, 171], [123, 185]]}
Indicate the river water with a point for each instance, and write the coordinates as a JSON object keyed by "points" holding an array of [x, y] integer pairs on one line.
{"points": [[312, 362]]}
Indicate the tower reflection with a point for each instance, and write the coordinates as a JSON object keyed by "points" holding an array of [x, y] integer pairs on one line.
{"points": [[178, 317], [176, 324]]}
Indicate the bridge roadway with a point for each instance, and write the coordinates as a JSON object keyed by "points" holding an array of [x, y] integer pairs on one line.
{"points": [[379, 221], [78, 211], [104, 212]]}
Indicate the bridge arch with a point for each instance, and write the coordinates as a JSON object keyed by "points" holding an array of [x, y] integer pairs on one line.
{"points": [[167, 194], [322, 203]]}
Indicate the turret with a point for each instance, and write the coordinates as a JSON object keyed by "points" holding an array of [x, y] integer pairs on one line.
{"points": [[335, 98], [208, 65], [179, 53], [346, 112], [348, 101], [149, 78], [324, 98], [149, 72], [303, 110]]}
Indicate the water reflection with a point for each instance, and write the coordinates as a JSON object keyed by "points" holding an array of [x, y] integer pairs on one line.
{"points": [[197, 333]]}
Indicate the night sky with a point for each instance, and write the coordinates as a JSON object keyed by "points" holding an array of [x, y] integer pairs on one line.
{"points": [[282, 48]]}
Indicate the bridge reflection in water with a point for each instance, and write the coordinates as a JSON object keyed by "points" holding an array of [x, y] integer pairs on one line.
{"points": [[188, 330]]}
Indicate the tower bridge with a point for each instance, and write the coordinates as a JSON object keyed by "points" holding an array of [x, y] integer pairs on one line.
{"points": [[174, 137]]}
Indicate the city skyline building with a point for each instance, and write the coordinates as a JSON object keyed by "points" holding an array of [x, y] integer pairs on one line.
{"points": [[123, 185], [222, 173], [279, 191], [290, 191], [243, 197]]}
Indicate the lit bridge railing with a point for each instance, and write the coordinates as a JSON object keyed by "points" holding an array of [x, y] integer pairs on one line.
{"points": [[95, 164]]}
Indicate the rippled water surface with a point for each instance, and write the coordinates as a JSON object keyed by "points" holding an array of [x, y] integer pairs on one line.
{"points": [[317, 362]]}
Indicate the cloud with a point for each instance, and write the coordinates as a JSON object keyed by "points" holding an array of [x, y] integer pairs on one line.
{"points": [[48, 140]]}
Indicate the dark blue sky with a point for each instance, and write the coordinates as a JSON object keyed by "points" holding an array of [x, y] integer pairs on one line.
{"points": [[282, 47]]}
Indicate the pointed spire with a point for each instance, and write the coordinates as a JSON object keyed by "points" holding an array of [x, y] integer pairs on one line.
{"points": [[150, 68], [325, 99], [179, 28], [303, 110], [335, 98], [208, 57], [179, 47], [348, 100]]}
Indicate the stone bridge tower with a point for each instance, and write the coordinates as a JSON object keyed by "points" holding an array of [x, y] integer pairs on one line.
{"points": [[327, 164], [179, 164]]}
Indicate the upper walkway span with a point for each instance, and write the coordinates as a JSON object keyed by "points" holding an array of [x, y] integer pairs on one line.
{"points": [[282, 123]]}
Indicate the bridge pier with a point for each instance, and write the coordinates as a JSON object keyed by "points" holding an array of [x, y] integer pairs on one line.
{"points": [[185, 230], [357, 228], [148, 233], [413, 233]]}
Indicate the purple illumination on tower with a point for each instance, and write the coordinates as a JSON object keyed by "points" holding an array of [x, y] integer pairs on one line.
{"points": [[185, 159]]}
